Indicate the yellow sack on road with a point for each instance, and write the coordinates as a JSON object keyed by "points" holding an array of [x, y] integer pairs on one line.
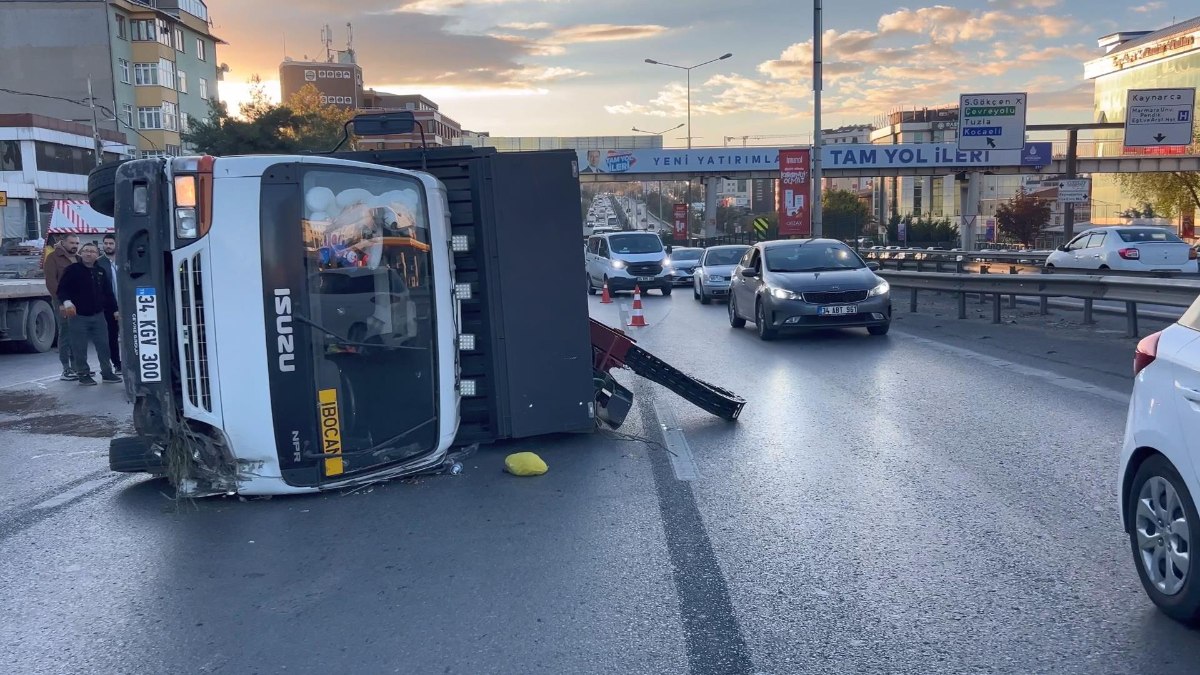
{"points": [[525, 464]]}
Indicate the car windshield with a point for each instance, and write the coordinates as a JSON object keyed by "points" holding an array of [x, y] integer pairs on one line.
{"points": [[370, 313], [724, 256], [635, 243], [811, 257], [686, 255], [1147, 235]]}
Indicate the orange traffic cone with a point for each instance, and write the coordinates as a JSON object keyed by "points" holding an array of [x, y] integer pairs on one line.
{"points": [[637, 320], [605, 298]]}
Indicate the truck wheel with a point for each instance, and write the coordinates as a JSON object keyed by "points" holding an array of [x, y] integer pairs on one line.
{"points": [[40, 326], [135, 454], [102, 188], [591, 288]]}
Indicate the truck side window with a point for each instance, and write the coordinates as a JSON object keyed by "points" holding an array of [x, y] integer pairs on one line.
{"points": [[603, 252]]}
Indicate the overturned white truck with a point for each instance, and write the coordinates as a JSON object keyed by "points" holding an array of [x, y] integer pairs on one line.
{"points": [[299, 323]]}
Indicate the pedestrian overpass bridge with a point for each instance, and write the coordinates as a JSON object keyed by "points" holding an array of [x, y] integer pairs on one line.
{"points": [[839, 161]]}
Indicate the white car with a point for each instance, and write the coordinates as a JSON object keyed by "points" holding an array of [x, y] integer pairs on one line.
{"points": [[1135, 249], [1160, 466]]}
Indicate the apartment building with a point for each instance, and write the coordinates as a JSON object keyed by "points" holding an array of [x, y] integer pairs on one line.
{"points": [[151, 64]]}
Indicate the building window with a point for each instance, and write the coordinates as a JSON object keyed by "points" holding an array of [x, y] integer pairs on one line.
{"points": [[166, 73], [142, 30], [201, 53], [194, 7], [153, 154], [121, 30], [181, 81], [127, 115], [145, 74], [123, 65], [179, 40], [170, 116], [185, 123], [58, 158], [164, 33], [173, 151], [204, 89], [150, 118], [10, 156]]}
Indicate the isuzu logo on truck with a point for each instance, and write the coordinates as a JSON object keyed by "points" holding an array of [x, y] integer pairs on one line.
{"points": [[285, 343]]}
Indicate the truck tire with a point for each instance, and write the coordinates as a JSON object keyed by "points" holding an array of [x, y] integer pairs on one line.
{"points": [[102, 188], [40, 326], [135, 454]]}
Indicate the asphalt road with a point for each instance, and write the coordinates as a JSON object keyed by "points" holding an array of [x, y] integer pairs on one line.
{"points": [[939, 500]]}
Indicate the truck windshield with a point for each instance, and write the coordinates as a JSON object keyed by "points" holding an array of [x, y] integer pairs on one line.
{"points": [[370, 298], [635, 243]]}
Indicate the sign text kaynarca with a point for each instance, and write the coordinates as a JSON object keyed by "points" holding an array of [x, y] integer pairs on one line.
{"points": [[1159, 117], [991, 121]]}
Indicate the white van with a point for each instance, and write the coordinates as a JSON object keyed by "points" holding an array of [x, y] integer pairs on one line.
{"points": [[625, 260]]}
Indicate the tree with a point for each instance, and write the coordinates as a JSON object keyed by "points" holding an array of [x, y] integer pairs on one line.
{"points": [[266, 127], [918, 229], [1023, 217], [843, 214], [1169, 192], [318, 126]]}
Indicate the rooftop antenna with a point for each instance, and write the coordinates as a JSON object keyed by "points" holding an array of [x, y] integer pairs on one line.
{"points": [[327, 39], [350, 39]]}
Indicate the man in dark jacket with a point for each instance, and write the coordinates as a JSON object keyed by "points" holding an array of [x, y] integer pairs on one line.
{"points": [[63, 256], [109, 262], [86, 294]]}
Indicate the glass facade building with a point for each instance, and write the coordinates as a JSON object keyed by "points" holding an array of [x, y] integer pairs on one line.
{"points": [[1163, 59]]}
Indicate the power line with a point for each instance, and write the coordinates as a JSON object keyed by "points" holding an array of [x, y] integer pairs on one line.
{"points": [[107, 111]]}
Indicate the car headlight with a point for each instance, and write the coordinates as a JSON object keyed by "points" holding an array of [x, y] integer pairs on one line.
{"points": [[784, 294], [716, 277], [882, 287], [618, 264]]}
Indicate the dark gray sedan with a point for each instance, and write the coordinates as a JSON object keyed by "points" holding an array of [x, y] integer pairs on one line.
{"points": [[802, 284]]}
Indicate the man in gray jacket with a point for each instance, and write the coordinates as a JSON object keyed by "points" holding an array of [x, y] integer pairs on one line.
{"points": [[64, 255]]}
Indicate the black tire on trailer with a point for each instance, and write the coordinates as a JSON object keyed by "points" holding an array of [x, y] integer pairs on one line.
{"points": [[41, 328], [102, 188], [135, 454]]}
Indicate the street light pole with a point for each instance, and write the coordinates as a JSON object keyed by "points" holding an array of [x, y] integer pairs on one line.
{"points": [[817, 227], [98, 148], [688, 70], [660, 192]]}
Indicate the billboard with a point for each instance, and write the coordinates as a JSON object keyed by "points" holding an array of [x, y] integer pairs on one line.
{"points": [[680, 213], [795, 186], [339, 84], [840, 156]]}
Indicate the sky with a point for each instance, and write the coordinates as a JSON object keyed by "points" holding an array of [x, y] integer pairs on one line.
{"points": [[577, 67]]}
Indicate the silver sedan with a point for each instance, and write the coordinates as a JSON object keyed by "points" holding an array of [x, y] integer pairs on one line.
{"points": [[711, 278], [803, 284]]}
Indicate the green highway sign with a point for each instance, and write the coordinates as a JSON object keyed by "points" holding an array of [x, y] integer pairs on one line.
{"points": [[991, 121]]}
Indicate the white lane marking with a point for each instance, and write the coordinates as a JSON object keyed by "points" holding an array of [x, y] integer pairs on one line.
{"points": [[680, 453], [74, 493], [37, 381], [1027, 371]]}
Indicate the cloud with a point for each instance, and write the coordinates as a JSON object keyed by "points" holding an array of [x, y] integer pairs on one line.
{"points": [[604, 32], [541, 25], [846, 53], [1148, 7], [1079, 97], [446, 6], [1026, 4], [951, 24]]}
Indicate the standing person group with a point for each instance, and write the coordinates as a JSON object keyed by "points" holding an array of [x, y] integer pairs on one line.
{"points": [[83, 287]]}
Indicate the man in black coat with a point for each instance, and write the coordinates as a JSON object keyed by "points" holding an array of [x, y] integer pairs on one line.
{"points": [[86, 294]]}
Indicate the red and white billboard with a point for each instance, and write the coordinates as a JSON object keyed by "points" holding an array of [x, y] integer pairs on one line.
{"points": [[795, 186], [680, 212]]}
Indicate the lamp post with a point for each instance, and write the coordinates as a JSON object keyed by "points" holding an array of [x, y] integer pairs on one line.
{"points": [[688, 70], [660, 192]]}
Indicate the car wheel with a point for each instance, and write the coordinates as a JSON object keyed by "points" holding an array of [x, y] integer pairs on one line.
{"points": [[1161, 513], [765, 332], [135, 454], [1050, 266], [666, 290], [591, 288], [695, 293], [735, 320], [879, 330], [1105, 267]]}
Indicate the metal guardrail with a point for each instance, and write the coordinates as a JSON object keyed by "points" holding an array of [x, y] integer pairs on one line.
{"points": [[1089, 288], [1027, 257]]}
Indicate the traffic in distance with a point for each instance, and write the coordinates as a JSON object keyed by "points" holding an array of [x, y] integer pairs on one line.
{"points": [[788, 286]]}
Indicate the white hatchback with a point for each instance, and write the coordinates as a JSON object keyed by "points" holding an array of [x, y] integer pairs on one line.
{"points": [[1133, 249], [1160, 466]]}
